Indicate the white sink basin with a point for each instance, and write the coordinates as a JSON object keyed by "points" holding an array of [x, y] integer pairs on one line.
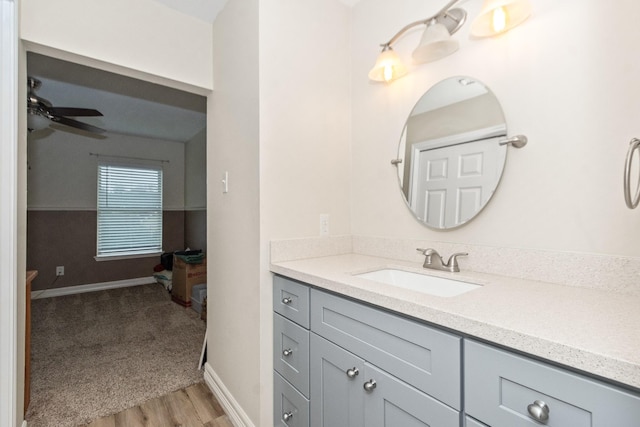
{"points": [[432, 285]]}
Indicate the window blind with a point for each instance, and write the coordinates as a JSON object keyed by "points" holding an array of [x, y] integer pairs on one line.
{"points": [[129, 210]]}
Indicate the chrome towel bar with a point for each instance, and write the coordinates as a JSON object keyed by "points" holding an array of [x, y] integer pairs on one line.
{"points": [[632, 202]]}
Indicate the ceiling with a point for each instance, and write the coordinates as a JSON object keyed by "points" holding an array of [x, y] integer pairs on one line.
{"points": [[207, 10], [129, 106]]}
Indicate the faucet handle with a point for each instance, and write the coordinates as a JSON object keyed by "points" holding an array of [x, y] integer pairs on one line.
{"points": [[427, 252], [452, 263]]}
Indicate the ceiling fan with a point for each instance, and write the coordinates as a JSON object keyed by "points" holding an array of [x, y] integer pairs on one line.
{"points": [[41, 111]]}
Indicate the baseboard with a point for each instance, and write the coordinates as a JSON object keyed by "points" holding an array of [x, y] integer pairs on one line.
{"points": [[71, 290], [236, 414]]}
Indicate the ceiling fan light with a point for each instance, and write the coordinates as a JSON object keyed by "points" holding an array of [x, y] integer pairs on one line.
{"points": [[499, 16], [36, 121], [436, 43], [388, 67]]}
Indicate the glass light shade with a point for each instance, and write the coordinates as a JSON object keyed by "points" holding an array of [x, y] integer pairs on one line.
{"points": [[436, 43], [36, 121], [388, 67], [499, 16]]}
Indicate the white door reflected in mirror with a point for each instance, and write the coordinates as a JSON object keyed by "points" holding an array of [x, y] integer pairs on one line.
{"points": [[451, 155]]}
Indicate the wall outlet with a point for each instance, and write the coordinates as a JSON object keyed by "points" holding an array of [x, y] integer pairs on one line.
{"points": [[324, 224], [60, 270]]}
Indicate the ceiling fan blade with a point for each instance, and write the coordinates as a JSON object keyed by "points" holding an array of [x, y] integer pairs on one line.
{"points": [[74, 112], [76, 124]]}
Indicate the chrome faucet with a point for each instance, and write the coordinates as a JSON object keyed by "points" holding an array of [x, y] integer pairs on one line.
{"points": [[434, 261]]}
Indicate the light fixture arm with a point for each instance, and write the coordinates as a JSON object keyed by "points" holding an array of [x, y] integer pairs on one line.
{"points": [[458, 17]]}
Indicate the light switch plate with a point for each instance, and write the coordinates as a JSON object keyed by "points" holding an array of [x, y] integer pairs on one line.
{"points": [[225, 182]]}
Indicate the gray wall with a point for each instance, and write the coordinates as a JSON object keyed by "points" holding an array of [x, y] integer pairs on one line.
{"points": [[195, 192], [61, 217]]}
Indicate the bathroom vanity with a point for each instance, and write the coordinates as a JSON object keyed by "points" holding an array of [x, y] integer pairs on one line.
{"points": [[349, 351]]}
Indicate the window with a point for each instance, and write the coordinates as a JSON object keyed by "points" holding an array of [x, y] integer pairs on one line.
{"points": [[129, 210]]}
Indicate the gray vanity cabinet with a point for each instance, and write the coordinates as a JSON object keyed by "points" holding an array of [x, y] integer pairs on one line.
{"points": [[505, 389], [290, 353], [376, 369], [342, 363]]}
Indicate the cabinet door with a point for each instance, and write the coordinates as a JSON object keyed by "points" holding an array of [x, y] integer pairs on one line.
{"points": [[337, 396], [393, 403], [470, 422]]}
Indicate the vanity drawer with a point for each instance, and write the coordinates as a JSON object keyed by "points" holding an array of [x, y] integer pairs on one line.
{"points": [[290, 408], [424, 357], [500, 386], [291, 352], [291, 299]]}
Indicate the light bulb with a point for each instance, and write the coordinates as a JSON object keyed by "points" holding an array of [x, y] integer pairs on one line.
{"points": [[388, 67], [388, 72], [499, 21]]}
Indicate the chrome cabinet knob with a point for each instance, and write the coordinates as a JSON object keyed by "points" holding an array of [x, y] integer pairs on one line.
{"points": [[287, 300], [539, 411], [287, 352], [287, 416], [370, 385], [353, 372]]}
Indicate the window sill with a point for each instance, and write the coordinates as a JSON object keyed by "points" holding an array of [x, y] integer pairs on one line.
{"points": [[101, 258]]}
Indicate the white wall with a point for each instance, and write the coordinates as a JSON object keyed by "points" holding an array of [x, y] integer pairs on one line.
{"points": [[305, 124], [140, 39], [305, 112], [63, 175], [562, 79], [233, 219]]}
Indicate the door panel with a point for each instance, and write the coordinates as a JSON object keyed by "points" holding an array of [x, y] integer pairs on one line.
{"points": [[458, 179], [394, 403], [336, 399]]}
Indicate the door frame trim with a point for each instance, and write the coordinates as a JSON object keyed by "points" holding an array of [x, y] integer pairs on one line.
{"points": [[8, 212]]}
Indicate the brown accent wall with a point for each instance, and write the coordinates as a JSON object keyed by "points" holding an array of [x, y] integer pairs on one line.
{"points": [[195, 229], [68, 238]]}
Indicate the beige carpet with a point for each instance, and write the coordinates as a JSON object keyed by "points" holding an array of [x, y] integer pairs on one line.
{"points": [[98, 353]]}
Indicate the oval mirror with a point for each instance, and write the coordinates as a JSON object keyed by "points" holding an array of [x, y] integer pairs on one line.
{"points": [[449, 157]]}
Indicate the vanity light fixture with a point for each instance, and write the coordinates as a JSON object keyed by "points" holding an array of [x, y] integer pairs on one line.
{"points": [[496, 17], [436, 43], [499, 16]]}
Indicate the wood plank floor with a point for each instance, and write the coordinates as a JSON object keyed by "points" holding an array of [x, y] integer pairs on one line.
{"points": [[194, 406]]}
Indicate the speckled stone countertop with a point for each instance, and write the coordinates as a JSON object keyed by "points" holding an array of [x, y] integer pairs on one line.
{"points": [[589, 330]]}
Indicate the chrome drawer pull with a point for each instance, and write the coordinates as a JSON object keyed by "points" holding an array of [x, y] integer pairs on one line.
{"points": [[287, 416], [353, 372], [288, 352], [287, 300], [539, 411], [370, 385]]}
